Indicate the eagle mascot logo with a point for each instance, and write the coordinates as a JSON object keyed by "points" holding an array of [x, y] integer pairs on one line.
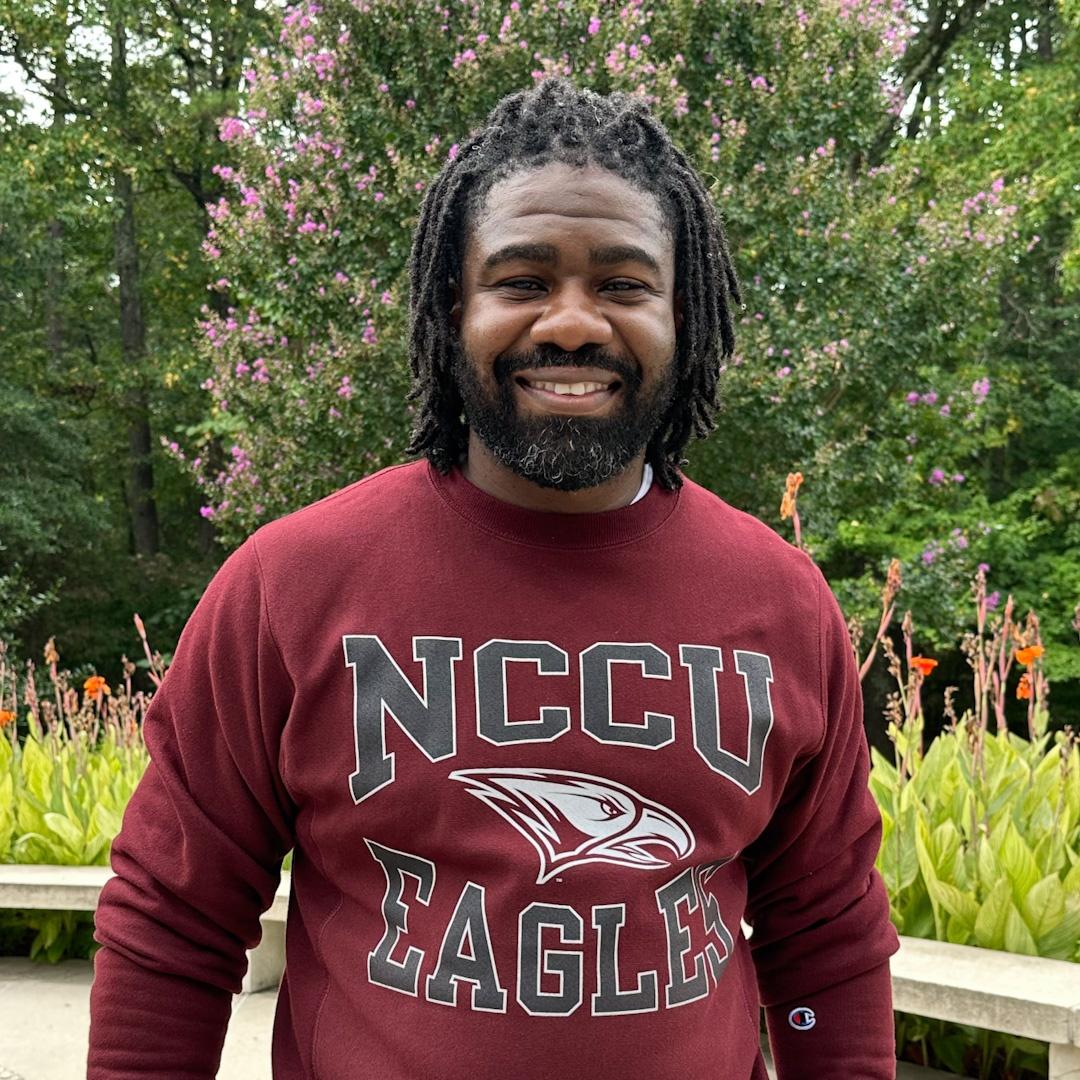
{"points": [[572, 818]]}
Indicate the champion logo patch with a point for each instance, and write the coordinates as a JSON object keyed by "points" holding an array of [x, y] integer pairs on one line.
{"points": [[801, 1018]]}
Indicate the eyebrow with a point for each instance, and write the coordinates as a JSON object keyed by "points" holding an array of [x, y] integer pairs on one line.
{"points": [[547, 253]]}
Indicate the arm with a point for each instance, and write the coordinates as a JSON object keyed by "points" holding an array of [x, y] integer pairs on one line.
{"points": [[199, 855], [818, 907]]}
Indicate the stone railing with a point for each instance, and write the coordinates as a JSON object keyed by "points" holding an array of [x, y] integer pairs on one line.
{"points": [[1020, 995]]}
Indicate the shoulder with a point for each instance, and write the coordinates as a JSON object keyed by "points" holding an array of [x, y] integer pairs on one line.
{"points": [[752, 550], [345, 517]]}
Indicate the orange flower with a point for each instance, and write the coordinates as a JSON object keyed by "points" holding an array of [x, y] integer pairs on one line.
{"points": [[924, 664], [791, 492], [1023, 687], [96, 685], [6, 717], [1031, 653]]}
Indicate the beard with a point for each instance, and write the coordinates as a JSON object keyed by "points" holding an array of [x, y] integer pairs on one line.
{"points": [[569, 453]]}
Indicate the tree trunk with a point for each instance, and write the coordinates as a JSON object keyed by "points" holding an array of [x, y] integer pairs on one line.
{"points": [[54, 248], [140, 477], [1045, 47]]}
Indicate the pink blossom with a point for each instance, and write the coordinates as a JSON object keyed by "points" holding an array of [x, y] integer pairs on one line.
{"points": [[231, 127], [594, 25]]}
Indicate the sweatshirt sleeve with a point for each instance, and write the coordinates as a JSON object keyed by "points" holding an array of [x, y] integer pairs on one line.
{"points": [[198, 857], [816, 903]]}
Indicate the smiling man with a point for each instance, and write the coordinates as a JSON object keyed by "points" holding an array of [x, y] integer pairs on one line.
{"points": [[568, 751]]}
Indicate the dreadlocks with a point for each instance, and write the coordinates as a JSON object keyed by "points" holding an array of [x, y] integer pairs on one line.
{"points": [[556, 121]]}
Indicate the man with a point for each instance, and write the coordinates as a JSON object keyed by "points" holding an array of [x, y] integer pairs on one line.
{"points": [[542, 720]]}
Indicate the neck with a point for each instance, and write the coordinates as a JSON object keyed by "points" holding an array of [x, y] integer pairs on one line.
{"points": [[490, 475]]}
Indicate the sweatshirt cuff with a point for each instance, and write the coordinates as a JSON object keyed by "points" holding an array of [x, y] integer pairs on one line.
{"points": [[159, 1025], [844, 1030]]}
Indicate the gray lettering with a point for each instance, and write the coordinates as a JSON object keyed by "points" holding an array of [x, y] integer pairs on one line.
{"points": [[681, 990], [381, 687], [383, 969], [476, 966], [703, 662], [596, 717], [534, 960], [492, 722], [608, 998]]}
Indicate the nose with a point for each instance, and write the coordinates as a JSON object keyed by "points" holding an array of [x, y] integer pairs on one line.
{"points": [[571, 319]]}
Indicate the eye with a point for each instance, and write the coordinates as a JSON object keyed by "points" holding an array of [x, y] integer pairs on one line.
{"points": [[609, 809], [624, 286], [522, 284]]}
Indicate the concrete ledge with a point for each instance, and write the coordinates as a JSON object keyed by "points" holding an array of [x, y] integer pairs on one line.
{"points": [[1019, 995], [78, 888]]}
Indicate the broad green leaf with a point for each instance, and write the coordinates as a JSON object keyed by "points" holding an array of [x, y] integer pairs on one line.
{"points": [[1044, 906], [1015, 858], [67, 830], [1063, 941], [993, 917], [1018, 937]]}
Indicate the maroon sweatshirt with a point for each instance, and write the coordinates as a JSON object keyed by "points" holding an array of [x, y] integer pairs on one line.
{"points": [[536, 769]]}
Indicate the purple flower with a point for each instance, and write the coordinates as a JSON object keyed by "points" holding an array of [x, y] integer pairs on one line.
{"points": [[937, 477], [912, 398], [594, 25], [958, 478], [929, 398], [993, 600], [984, 567], [945, 410], [980, 390]]}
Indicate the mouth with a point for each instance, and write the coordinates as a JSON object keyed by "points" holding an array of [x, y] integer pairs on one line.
{"points": [[571, 391]]}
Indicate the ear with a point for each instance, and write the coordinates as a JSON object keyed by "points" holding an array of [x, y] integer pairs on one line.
{"points": [[455, 306]]}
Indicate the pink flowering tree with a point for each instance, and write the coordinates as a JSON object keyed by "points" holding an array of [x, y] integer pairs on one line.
{"points": [[866, 348]]}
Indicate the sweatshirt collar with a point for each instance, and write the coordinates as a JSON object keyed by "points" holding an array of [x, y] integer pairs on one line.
{"points": [[543, 528]]}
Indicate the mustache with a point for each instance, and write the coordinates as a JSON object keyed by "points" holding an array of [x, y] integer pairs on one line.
{"points": [[509, 364]]}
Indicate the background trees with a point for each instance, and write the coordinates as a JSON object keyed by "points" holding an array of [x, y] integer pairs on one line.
{"points": [[210, 217]]}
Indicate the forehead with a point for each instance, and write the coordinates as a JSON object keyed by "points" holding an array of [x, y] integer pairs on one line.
{"points": [[564, 205]]}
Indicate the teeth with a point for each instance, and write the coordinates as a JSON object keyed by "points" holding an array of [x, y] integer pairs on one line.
{"points": [[570, 388]]}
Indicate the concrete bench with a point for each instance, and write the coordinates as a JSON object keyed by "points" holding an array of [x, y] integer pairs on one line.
{"points": [[1020, 995], [77, 888]]}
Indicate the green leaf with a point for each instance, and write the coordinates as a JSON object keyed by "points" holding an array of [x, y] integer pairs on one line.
{"points": [[1044, 906], [69, 833], [994, 916], [1018, 937], [1019, 864], [1063, 941]]}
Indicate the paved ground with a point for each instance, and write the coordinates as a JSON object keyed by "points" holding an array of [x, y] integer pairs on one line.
{"points": [[46, 1018]]}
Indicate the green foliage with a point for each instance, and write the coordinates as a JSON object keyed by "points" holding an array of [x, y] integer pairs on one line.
{"points": [[982, 849], [43, 502], [62, 798]]}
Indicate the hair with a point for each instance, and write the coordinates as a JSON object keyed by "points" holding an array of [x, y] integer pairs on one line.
{"points": [[558, 122]]}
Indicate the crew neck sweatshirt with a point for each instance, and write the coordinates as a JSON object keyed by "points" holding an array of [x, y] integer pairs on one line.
{"points": [[536, 770]]}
